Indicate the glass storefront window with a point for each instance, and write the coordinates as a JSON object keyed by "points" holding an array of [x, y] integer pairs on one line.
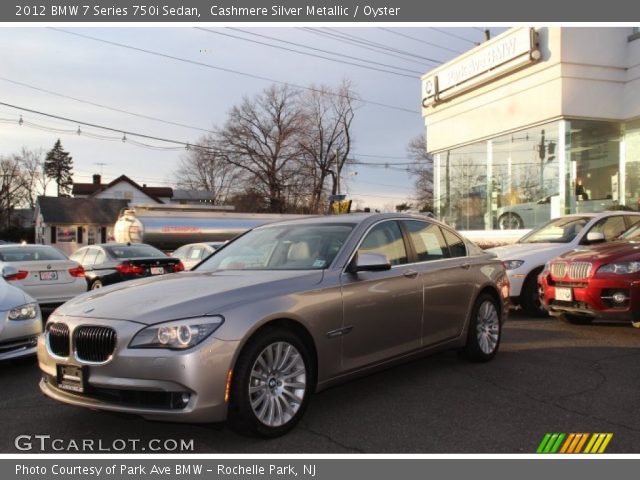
{"points": [[632, 165], [593, 150], [461, 194], [525, 189], [523, 179]]}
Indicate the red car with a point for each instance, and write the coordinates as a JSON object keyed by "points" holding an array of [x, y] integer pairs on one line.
{"points": [[601, 282]]}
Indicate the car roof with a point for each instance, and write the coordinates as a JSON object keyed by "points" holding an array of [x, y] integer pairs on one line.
{"points": [[351, 218], [25, 245]]}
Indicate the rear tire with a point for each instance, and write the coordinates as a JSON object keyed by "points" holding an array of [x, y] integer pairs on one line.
{"points": [[273, 380], [95, 285], [485, 330], [530, 297], [577, 319]]}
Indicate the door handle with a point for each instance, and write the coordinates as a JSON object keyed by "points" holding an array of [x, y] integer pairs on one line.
{"points": [[466, 266], [410, 274]]}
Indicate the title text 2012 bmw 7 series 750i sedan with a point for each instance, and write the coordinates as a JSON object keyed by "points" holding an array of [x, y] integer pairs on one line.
{"points": [[280, 312]]}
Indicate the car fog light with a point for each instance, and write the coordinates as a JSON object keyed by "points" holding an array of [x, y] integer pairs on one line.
{"points": [[619, 297], [185, 398]]}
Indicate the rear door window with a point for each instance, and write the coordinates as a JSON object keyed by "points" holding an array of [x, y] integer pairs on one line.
{"points": [[427, 240]]}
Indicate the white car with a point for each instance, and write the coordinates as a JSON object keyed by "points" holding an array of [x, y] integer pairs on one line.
{"points": [[20, 321], [525, 259], [43, 272], [193, 253]]}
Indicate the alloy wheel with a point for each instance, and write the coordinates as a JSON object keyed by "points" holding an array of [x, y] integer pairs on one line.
{"points": [[488, 327], [277, 384]]}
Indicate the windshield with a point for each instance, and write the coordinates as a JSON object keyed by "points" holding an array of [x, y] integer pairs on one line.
{"points": [[134, 251], [560, 230], [282, 247], [632, 234]]}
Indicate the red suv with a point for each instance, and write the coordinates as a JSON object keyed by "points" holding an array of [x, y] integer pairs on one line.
{"points": [[601, 282]]}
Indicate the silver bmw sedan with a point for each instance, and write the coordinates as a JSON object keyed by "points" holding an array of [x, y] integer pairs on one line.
{"points": [[284, 310]]}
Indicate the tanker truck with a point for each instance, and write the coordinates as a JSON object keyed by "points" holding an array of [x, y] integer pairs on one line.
{"points": [[168, 227]]}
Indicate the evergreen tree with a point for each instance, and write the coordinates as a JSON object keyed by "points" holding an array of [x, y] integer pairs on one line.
{"points": [[58, 166]]}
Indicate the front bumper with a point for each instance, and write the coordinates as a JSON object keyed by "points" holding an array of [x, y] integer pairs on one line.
{"points": [[145, 382], [590, 297], [18, 337]]}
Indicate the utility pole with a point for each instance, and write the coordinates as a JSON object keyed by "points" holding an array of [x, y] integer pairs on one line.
{"points": [[337, 171]]}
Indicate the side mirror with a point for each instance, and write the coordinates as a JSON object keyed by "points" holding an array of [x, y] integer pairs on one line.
{"points": [[9, 271], [595, 237], [370, 262]]}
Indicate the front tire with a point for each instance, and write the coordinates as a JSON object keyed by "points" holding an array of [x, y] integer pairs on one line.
{"points": [[530, 297], [485, 330], [510, 221], [272, 382]]}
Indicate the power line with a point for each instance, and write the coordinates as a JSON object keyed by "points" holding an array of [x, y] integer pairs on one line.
{"points": [[114, 109], [416, 39], [315, 49], [307, 53], [228, 70], [124, 132], [366, 41], [459, 37], [347, 41]]}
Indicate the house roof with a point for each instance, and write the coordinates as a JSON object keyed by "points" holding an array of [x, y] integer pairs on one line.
{"points": [[92, 189], [87, 211]]}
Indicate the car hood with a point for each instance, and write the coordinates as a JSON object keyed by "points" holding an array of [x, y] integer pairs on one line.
{"points": [[184, 295], [521, 251], [11, 297], [606, 252]]}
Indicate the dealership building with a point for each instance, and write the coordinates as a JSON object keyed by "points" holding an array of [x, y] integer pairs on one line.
{"points": [[533, 124]]}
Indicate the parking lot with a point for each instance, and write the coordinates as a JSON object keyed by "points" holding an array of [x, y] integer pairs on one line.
{"points": [[548, 377]]}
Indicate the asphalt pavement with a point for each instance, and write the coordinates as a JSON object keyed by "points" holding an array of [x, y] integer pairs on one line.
{"points": [[548, 377]]}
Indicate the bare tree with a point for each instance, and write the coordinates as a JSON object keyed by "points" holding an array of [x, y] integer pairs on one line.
{"points": [[12, 188], [33, 175], [210, 170], [262, 136], [327, 138], [422, 171]]}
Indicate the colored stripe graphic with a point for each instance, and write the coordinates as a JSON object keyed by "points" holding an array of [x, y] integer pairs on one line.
{"points": [[574, 443]]}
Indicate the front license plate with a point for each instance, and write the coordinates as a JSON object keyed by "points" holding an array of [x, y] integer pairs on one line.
{"points": [[564, 294], [48, 276], [71, 378], [156, 270]]}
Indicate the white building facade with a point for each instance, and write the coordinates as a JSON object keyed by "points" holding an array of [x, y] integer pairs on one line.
{"points": [[533, 124]]}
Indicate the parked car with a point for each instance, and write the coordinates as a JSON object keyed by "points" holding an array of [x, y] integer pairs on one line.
{"points": [[20, 320], [109, 263], [532, 214], [602, 282], [280, 312], [525, 259], [44, 272], [193, 253]]}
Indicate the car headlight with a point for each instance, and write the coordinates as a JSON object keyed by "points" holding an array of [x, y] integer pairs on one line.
{"points": [[178, 334], [24, 312], [621, 268], [512, 264]]}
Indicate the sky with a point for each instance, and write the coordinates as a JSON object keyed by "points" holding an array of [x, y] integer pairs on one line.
{"points": [[199, 97]]}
